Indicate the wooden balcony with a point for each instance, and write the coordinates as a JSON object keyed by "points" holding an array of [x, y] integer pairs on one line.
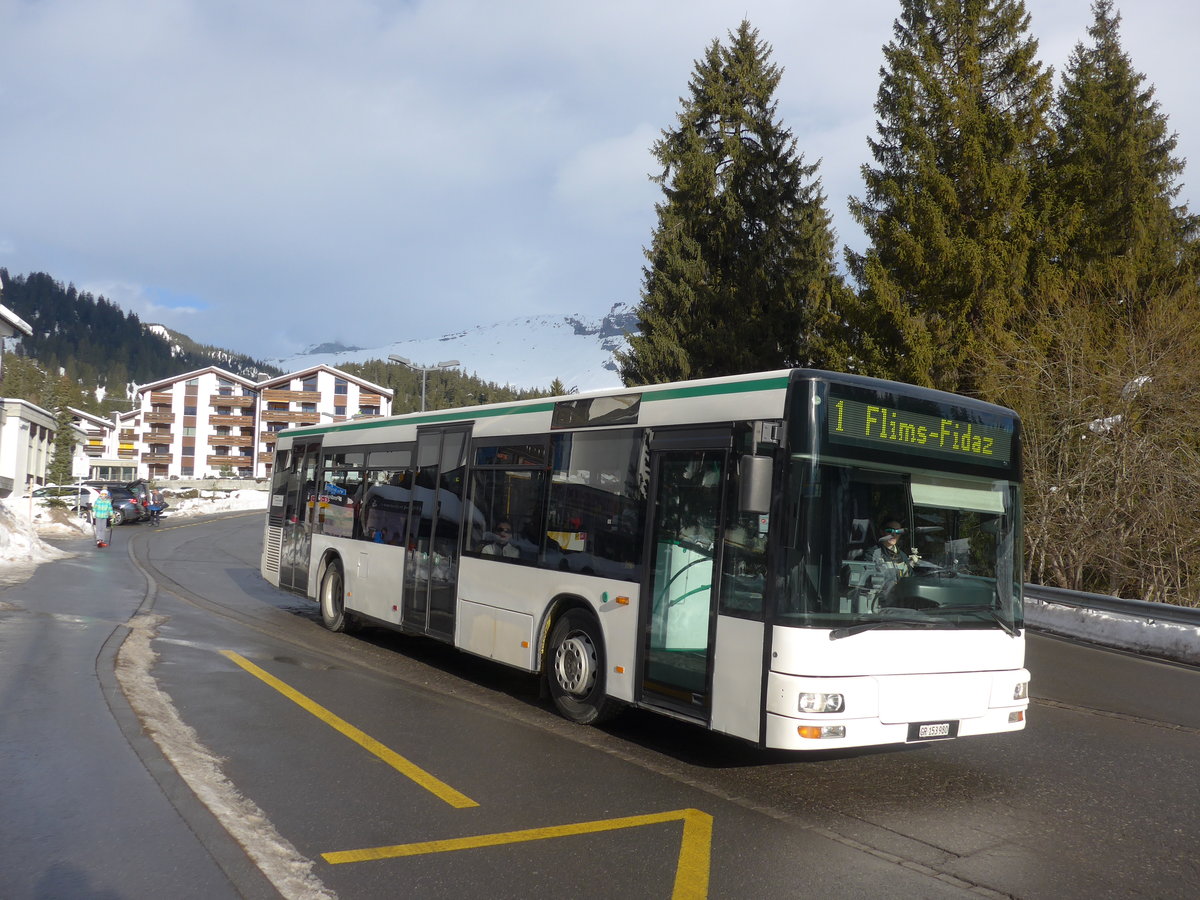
{"points": [[159, 458], [150, 417], [266, 457], [370, 400], [291, 396], [235, 421], [165, 398], [231, 440], [240, 400], [234, 462], [268, 437], [283, 415]]}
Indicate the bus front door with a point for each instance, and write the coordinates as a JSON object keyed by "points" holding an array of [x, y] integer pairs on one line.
{"points": [[434, 526], [299, 507], [682, 574]]}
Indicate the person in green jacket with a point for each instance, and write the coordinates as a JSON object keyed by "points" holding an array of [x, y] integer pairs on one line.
{"points": [[102, 518]]}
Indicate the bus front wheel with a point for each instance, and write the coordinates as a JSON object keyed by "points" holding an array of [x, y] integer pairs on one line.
{"points": [[576, 670], [333, 597]]}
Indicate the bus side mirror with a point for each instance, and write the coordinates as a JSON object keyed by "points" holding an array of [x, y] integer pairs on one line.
{"points": [[755, 494]]}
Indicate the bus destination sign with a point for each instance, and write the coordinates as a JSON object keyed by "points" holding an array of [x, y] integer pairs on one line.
{"points": [[876, 425]]}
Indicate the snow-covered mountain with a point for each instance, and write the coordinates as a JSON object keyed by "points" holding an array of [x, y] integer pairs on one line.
{"points": [[528, 352]]}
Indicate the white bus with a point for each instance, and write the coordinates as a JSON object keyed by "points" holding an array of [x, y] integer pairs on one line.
{"points": [[705, 549]]}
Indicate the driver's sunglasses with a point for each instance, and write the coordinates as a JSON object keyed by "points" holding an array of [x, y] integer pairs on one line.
{"points": [[893, 531]]}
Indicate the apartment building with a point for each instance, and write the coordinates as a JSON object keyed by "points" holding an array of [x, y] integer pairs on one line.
{"points": [[311, 396], [111, 445], [211, 423], [26, 445]]}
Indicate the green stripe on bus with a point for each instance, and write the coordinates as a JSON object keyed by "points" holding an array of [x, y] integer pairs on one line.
{"points": [[483, 412], [701, 390], [479, 412]]}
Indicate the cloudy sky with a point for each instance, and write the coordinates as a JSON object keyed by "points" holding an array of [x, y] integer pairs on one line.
{"points": [[265, 175]]}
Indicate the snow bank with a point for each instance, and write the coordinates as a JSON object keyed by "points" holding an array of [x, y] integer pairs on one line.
{"points": [[22, 548], [210, 502]]}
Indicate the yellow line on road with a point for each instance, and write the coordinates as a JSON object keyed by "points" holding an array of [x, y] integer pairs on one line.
{"points": [[410, 770], [691, 870]]}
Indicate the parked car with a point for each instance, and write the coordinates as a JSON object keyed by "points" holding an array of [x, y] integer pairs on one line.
{"points": [[126, 506], [78, 498], [138, 490]]}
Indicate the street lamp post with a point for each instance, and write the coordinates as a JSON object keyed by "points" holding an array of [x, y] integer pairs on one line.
{"points": [[424, 370]]}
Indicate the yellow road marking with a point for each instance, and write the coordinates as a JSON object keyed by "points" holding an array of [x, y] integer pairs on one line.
{"points": [[691, 871], [410, 770]]}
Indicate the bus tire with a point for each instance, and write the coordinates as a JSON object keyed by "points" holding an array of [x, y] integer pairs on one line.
{"points": [[575, 670], [333, 597]]}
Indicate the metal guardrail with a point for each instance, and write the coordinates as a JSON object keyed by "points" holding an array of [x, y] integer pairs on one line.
{"points": [[1160, 630], [1154, 612]]}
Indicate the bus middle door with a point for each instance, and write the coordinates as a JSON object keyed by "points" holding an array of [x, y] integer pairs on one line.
{"points": [[434, 530], [685, 528], [299, 509]]}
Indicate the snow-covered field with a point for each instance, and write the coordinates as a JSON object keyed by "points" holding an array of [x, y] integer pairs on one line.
{"points": [[24, 530]]}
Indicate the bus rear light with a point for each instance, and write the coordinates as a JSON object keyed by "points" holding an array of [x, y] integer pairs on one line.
{"points": [[819, 732], [822, 703], [622, 601], [1018, 716], [620, 670]]}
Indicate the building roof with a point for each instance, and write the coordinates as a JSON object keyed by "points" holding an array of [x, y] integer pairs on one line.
{"points": [[11, 324], [91, 417], [312, 370], [196, 373]]}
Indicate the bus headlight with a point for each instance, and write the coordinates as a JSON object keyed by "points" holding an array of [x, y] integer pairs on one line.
{"points": [[1021, 691], [822, 703]]}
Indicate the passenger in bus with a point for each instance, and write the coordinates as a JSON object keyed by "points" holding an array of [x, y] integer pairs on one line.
{"points": [[890, 561], [501, 545]]}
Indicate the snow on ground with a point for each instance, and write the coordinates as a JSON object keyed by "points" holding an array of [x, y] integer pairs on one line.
{"points": [[25, 529]]}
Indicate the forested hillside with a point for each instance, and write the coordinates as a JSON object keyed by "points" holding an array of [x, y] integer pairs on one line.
{"points": [[95, 343]]}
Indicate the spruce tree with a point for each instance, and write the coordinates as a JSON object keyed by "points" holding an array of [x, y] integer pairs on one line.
{"points": [[23, 379], [64, 394], [954, 234], [1114, 172], [741, 272]]}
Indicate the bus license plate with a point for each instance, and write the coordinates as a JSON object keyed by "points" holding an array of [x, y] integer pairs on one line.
{"points": [[932, 731]]}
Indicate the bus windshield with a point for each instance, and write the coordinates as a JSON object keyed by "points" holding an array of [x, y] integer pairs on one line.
{"points": [[871, 546]]}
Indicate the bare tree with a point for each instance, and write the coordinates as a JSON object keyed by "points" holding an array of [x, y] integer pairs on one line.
{"points": [[1110, 400]]}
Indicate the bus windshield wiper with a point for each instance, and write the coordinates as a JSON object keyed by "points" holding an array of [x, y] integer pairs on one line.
{"points": [[990, 610], [851, 630]]}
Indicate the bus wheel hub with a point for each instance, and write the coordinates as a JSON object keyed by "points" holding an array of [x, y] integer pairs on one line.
{"points": [[575, 664]]}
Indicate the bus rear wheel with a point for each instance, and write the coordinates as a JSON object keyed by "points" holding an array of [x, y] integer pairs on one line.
{"points": [[333, 598], [576, 670]]}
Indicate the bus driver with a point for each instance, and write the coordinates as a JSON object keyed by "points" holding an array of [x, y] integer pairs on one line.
{"points": [[890, 562]]}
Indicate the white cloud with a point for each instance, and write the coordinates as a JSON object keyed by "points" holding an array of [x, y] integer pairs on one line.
{"points": [[608, 182]]}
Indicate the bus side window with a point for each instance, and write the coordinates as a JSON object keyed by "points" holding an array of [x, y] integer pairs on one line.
{"points": [[510, 497], [596, 520], [383, 509]]}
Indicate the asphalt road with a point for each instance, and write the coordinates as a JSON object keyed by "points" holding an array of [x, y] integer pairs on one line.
{"points": [[170, 725]]}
